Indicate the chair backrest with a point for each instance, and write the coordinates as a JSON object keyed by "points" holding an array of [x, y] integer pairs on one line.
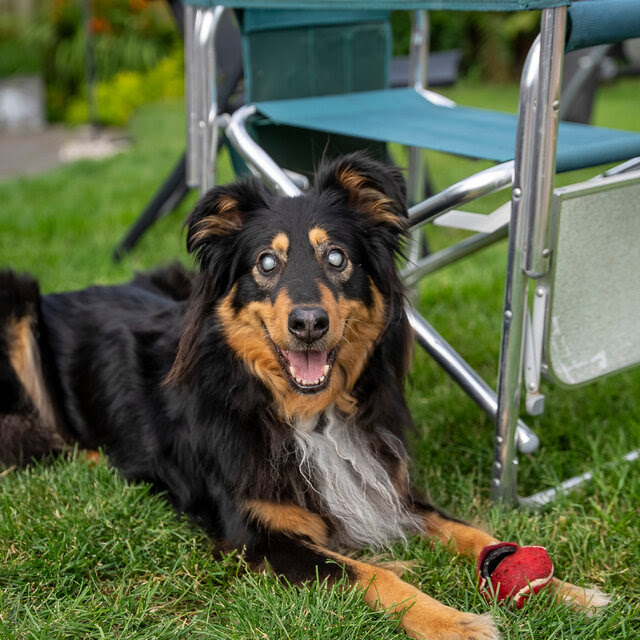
{"points": [[294, 54]]}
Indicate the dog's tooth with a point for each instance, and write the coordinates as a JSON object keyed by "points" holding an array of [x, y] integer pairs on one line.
{"points": [[316, 382], [298, 380], [326, 369], [292, 371], [322, 378]]}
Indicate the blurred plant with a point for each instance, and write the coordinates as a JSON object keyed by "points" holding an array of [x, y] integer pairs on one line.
{"points": [[119, 96], [493, 44], [127, 35], [20, 46]]}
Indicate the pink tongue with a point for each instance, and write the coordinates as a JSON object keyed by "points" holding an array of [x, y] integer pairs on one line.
{"points": [[307, 365]]}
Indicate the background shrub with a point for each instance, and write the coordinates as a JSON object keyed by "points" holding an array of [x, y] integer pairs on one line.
{"points": [[493, 45], [121, 94]]}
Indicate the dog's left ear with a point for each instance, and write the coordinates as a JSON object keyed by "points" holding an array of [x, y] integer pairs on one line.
{"points": [[372, 188]]}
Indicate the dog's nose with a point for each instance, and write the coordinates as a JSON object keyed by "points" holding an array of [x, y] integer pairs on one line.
{"points": [[308, 323]]}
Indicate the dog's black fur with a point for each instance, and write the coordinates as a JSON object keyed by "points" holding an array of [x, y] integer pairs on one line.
{"points": [[184, 381]]}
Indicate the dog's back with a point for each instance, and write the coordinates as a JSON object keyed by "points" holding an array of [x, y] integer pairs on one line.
{"points": [[35, 344], [27, 416]]}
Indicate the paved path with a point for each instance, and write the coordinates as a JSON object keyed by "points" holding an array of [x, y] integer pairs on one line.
{"points": [[32, 152]]}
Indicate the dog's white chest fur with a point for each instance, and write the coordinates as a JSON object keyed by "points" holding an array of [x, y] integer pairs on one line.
{"points": [[337, 463]]}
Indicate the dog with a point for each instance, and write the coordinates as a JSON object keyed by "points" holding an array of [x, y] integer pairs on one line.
{"points": [[262, 394]]}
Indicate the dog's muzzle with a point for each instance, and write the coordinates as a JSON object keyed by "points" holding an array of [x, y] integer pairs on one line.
{"points": [[308, 368]]}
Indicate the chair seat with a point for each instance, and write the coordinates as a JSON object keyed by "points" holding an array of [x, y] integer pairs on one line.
{"points": [[405, 117]]}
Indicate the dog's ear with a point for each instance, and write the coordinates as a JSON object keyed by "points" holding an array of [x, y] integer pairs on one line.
{"points": [[372, 188], [221, 212], [212, 234]]}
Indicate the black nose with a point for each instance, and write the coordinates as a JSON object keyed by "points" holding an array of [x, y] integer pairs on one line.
{"points": [[308, 323]]}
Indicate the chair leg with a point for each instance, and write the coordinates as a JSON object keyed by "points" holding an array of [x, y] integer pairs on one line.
{"points": [[168, 197], [505, 462], [466, 378], [528, 253]]}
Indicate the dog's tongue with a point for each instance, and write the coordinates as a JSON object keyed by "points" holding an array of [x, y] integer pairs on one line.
{"points": [[309, 366]]}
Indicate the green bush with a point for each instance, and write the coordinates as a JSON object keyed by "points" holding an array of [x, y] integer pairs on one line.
{"points": [[126, 35], [493, 45], [19, 51], [118, 97]]}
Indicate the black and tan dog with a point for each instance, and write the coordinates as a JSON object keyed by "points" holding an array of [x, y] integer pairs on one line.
{"points": [[263, 394]]}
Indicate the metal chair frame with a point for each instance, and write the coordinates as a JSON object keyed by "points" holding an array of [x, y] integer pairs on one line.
{"points": [[530, 176]]}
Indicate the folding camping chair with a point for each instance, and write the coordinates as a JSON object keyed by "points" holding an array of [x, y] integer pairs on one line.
{"points": [[228, 76], [552, 233]]}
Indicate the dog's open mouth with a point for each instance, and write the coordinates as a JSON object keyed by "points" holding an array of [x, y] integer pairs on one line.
{"points": [[309, 370]]}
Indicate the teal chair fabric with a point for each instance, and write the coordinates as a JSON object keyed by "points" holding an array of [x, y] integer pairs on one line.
{"points": [[448, 5], [405, 117], [296, 54]]}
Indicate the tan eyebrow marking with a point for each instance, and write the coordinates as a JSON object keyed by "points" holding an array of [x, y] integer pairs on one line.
{"points": [[281, 243], [318, 237]]}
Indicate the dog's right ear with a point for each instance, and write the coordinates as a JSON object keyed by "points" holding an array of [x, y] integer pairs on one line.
{"points": [[220, 213], [212, 231]]}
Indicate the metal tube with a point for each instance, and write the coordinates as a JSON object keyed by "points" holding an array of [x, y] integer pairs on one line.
{"points": [[479, 184], [542, 169], [528, 197], [470, 382], [419, 52], [629, 165], [208, 106], [255, 156], [543, 498], [191, 99], [415, 272], [418, 59]]}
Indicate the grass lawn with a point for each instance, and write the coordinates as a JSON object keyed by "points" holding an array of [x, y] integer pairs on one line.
{"points": [[84, 554]]}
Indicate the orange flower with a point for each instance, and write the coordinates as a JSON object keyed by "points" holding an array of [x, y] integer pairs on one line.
{"points": [[99, 25], [138, 5]]}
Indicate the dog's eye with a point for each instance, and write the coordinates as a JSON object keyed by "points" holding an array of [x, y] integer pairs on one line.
{"points": [[337, 259], [267, 262]]}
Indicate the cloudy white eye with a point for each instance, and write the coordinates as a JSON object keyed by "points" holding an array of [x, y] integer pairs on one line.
{"points": [[337, 259], [267, 262]]}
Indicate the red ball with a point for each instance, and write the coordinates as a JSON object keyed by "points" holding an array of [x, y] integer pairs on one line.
{"points": [[512, 572]]}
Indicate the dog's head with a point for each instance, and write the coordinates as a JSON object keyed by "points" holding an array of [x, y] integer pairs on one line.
{"points": [[303, 288]]}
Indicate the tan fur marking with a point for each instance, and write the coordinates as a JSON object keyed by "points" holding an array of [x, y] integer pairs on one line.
{"points": [[466, 540], [245, 334], [289, 518], [92, 457], [363, 327], [318, 237], [587, 600], [353, 326], [367, 199], [224, 220], [25, 360], [420, 615], [280, 243]]}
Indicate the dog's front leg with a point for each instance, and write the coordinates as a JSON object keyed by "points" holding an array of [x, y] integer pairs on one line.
{"points": [[464, 538], [468, 540], [293, 542]]}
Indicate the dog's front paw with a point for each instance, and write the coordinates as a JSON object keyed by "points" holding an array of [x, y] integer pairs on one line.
{"points": [[590, 601], [446, 623]]}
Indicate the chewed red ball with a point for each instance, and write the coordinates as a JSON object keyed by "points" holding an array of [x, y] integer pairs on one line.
{"points": [[512, 572]]}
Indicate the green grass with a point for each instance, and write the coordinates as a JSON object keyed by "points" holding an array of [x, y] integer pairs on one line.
{"points": [[84, 554]]}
